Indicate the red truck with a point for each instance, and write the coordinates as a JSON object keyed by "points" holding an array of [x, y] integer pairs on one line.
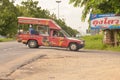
{"points": [[45, 33]]}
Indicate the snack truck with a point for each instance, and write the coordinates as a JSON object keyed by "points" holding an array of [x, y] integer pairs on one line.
{"points": [[45, 33]]}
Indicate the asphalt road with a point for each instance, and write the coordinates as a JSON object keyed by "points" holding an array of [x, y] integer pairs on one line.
{"points": [[12, 50], [14, 54]]}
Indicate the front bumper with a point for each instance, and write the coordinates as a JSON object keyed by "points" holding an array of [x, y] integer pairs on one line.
{"points": [[81, 46]]}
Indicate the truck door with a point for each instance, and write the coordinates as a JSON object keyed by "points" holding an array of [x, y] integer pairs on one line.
{"points": [[57, 39]]}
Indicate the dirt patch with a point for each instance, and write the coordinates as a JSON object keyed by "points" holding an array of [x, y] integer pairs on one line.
{"points": [[72, 67]]}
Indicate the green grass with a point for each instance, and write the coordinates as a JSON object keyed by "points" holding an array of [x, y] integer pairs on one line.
{"points": [[95, 42], [6, 39], [113, 48]]}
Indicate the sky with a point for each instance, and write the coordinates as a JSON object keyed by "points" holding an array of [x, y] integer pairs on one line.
{"points": [[71, 15]]}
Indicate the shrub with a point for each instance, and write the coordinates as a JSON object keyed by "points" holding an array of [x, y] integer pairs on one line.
{"points": [[5, 39], [95, 42]]}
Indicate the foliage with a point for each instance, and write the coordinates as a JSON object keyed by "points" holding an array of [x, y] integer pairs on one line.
{"points": [[5, 39], [8, 18], [95, 42], [29, 8], [69, 30], [97, 6], [114, 48]]}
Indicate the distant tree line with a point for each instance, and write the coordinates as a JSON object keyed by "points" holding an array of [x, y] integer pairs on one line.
{"points": [[9, 13]]}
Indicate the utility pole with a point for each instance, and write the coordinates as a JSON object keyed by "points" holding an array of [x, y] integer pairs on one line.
{"points": [[1, 2], [58, 1]]}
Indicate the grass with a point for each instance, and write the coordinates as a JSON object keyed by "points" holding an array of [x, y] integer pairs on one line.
{"points": [[95, 42], [6, 39], [114, 48]]}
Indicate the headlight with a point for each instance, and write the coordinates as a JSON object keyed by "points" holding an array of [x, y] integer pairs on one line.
{"points": [[81, 42]]}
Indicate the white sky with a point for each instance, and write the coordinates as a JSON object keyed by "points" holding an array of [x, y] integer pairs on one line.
{"points": [[71, 14]]}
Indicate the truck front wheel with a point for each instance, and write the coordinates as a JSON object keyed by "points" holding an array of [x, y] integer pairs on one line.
{"points": [[32, 44], [73, 47]]}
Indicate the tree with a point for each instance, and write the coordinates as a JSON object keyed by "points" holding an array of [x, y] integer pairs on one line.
{"points": [[97, 6], [30, 8], [8, 18], [68, 29]]}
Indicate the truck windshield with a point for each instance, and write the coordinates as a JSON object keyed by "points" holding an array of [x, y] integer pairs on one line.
{"points": [[65, 33]]}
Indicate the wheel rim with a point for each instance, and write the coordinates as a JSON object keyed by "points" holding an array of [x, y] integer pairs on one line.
{"points": [[73, 47], [32, 44]]}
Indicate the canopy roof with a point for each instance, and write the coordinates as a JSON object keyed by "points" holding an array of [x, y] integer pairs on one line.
{"points": [[40, 21]]}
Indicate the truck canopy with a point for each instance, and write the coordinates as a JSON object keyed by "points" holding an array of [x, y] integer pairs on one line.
{"points": [[40, 21]]}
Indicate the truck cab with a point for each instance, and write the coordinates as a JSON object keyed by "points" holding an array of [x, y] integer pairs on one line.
{"points": [[45, 33]]}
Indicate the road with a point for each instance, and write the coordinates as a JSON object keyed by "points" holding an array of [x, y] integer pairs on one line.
{"points": [[13, 50], [13, 55], [9, 51], [57, 63]]}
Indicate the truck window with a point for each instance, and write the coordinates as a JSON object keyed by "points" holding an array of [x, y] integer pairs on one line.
{"points": [[65, 33], [58, 34], [43, 30], [55, 33]]}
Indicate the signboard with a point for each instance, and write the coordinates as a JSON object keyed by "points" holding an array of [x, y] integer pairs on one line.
{"points": [[105, 21]]}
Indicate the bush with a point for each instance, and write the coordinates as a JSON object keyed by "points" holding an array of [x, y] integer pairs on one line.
{"points": [[96, 42], [5, 39], [93, 42]]}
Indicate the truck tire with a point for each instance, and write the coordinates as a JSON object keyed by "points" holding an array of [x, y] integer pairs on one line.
{"points": [[33, 44], [73, 47]]}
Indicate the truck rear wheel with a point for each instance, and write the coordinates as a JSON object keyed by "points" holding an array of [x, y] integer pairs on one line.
{"points": [[73, 47], [33, 44]]}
